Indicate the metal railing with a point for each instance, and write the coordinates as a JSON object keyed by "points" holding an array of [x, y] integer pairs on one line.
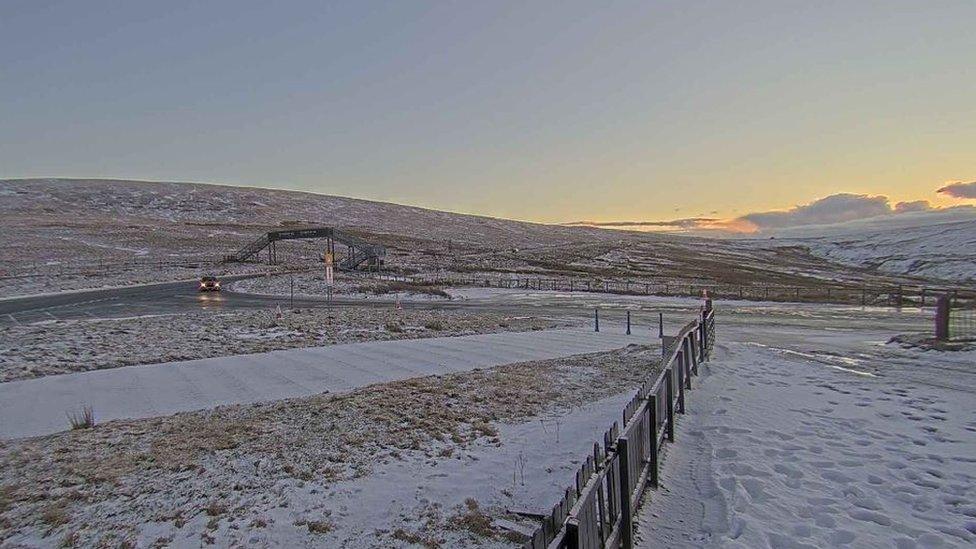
{"points": [[598, 510]]}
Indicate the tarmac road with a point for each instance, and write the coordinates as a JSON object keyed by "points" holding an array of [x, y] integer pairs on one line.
{"points": [[183, 297], [151, 299]]}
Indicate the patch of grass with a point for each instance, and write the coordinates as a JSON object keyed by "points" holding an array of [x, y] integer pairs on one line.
{"points": [[319, 526], [215, 509], [393, 327], [414, 539], [484, 429], [435, 325], [7, 498], [85, 419], [474, 520], [71, 539], [55, 515]]}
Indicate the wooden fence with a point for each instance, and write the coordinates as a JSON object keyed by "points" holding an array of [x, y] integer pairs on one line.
{"points": [[598, 510]]}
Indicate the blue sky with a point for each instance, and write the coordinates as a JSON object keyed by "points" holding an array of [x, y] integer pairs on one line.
{"points": [[548, 111]]}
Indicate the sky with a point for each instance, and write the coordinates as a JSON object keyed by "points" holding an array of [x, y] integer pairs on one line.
{"points": [[544, 111]]}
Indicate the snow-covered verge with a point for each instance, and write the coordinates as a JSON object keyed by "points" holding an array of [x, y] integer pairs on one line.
{"points": [[804, 438], [62, 346], [346, 286], [433, 461]]}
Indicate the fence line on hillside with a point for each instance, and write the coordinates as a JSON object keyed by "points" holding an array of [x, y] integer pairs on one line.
{"points": [[895, 296], [598, 510]]}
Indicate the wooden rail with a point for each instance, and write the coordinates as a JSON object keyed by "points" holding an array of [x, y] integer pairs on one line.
{"points": [[598, 510]]}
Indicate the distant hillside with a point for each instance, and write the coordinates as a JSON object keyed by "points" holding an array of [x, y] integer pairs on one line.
{"points": [[252, 210], [946, 251], [52, 223]]}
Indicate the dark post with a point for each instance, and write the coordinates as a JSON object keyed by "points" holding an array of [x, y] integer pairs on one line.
{"points": [[680, 368], [626, 517], [942, 306], [292, 280], [628, 322], [660, 325], [686, 359], [669, 377], [596, 320], [652, 410]]}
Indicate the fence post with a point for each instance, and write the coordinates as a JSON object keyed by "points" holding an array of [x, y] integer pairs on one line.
{"points": [[652, 410], [686, 359], [942, 306], [679, 363], [596, 320], [669, 377], [628, 322], [660, 325], [626, 517]]}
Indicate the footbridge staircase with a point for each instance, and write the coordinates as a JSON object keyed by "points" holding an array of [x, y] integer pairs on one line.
{"points": [[358, 251]]}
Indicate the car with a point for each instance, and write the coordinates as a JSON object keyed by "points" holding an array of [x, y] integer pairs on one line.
{"points": [[209, 284]]}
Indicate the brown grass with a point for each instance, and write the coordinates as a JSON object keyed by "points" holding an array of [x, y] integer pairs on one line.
{"points": [[85, 419]]}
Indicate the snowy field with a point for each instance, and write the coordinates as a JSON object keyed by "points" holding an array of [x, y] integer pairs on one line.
{"points": [[942, 250], [827, 437], [51, 347], [807, 429]]}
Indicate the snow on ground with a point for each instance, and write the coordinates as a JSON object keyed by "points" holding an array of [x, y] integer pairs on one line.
{"points": [[437, 460], [810, 438], [940, 245], [348, 286], [63, 346]]}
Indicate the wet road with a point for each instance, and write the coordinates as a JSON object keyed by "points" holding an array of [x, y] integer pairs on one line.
{"points": [[154, 299]]}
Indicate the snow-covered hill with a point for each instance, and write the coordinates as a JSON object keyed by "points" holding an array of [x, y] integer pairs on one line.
{"points": [[252, 210], [76, 233], [936, 244]]}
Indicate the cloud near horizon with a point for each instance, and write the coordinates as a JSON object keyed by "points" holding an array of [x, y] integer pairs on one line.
{"points": [[836, 208], [958, 189]]}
